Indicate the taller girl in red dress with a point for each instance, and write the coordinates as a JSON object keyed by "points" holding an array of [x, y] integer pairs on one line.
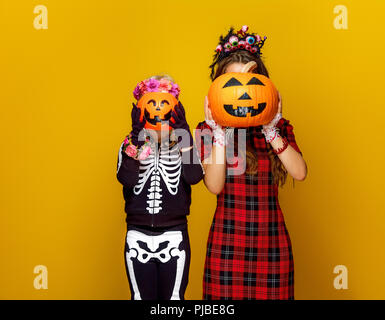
{"points": [[249, 253]]}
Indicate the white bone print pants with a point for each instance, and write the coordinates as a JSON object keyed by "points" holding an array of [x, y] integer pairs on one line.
{"points": [[157, 263]]}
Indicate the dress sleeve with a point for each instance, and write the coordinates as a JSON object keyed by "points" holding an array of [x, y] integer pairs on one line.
{"points": [[204, 139], [286, 130]]}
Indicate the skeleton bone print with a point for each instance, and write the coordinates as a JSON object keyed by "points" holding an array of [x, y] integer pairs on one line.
{"points": [[164, 164], [163, 247]]}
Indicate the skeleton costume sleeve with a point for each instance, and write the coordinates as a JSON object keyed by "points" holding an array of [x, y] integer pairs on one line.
{"points": [[128, 169], [192, 170]]}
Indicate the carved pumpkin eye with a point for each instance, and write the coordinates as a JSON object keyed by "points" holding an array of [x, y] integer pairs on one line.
{"points": [[255, 81], [232, 82], [164, 102], [153, 102]]}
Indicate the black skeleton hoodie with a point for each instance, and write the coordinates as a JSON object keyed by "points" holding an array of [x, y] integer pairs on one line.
{"points": [[157, 190]]}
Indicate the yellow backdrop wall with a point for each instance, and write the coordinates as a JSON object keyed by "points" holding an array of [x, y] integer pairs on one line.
{"points": [[65, 99]]}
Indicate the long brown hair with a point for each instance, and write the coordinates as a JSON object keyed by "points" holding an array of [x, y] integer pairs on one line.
{"points": [[278, 170]]}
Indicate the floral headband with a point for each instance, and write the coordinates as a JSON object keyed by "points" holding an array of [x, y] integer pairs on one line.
{"points": [[154, 85]]}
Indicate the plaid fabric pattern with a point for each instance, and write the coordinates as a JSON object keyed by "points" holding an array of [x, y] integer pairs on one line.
{"points": [[249, 254]]}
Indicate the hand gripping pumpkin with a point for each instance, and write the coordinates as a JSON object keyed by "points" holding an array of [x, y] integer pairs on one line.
{"points": [[243, 100], [156, 108]]}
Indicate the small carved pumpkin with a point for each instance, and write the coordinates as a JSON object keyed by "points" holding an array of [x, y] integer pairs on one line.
{"points": [[157, 108], [243, 100]]}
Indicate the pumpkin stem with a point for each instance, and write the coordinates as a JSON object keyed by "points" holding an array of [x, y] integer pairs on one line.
{"points": [[250, 66]]}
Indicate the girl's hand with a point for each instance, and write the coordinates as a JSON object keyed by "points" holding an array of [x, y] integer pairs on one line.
{"points": [[277, 117], [209, 118], [215, 165], [279, 103], [219, 133], [181, 127], [137, 125], [270, 130], [208, 115], [179, 117]]}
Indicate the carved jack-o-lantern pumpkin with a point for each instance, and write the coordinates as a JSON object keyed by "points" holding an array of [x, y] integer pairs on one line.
{"points": [[157, 108], [243, 100]]}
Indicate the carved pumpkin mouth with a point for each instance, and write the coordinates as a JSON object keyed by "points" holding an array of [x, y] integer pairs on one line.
{"points": [[157, 118], [243, 111]]}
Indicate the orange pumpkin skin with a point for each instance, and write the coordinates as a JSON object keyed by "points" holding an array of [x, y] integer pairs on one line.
{"points": [[156, 108], [243, 100]]}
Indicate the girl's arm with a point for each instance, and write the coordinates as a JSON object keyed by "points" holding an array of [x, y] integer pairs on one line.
{"points": [[215, 164], [291, 160], [192, 170], [128, 169], [215, 170]]}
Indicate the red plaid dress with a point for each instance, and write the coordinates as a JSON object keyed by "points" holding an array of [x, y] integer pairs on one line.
{"points": [[249, 254]]}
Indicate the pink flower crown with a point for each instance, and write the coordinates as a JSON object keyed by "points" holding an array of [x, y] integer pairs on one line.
{"points": [[154, 85]]}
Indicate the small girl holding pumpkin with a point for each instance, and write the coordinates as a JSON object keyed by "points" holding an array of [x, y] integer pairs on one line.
{"points": [[157, 172], [249, 252]]}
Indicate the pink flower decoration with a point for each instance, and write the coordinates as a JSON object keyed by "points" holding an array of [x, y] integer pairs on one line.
{"points": [[258, 37], [164, 85], [152, 85], [139, 90], [245, 28], [175, 90], [137, 93], [146, 150], [126, 141], [131, 150], [141, 85]]}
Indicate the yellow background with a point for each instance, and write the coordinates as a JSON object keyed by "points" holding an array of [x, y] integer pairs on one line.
{"points": [[65, 97]]}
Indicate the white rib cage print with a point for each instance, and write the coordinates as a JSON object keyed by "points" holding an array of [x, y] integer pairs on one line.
{"points": [[165, 164]]}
